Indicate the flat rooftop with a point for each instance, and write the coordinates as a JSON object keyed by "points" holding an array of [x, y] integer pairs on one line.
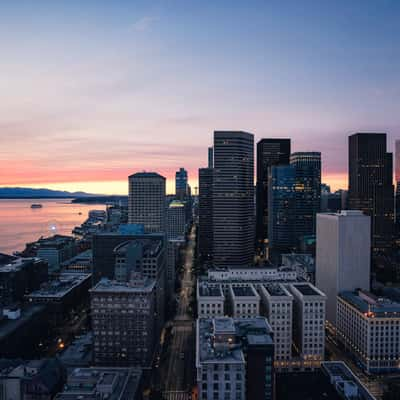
{"points": [[55, 241], [59, 287], [12, 264], [108, 286], [210, 290], [306, 290], [276, 290], [94, 383], [244, 291], [366, 302], [150, 247], [79, 351]]}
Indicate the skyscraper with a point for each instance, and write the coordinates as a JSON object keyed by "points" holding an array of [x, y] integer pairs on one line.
{"points": [[308, 191], [281, 209], [210, 157], [269, 152], [147, 201], [371, 184], [181, 183], [233, 199], [205, 214], [397, 177], [343, 255]]}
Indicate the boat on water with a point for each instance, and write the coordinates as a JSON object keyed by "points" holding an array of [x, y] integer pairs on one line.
{"points": [[36, 205]]}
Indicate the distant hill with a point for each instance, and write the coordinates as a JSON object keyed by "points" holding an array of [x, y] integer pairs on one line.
{"points": [[29, 193]]}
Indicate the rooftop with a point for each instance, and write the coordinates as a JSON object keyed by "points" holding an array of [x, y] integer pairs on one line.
{"points": [[79, 352], [146, 175], [150, 247], [244, 291], [371, 305], [12, 263], [276, 290], [307, 289], [94, 383], [55, 241], [206, 290], [59, 287], [223, 339], [108, 286]]}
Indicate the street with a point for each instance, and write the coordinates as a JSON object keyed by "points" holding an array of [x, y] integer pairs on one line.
{"points": [[176, 369]]}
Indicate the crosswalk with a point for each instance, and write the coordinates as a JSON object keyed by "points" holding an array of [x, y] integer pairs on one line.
{"points": [[176, 395]]}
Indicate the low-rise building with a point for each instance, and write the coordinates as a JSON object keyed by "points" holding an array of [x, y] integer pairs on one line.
{"points": [[309, 323], [256, 274], [56, 249], [62, 295], [234, 359], [369, 328], [210, 300], [245, 301], [82, 262], [277, 304], [79, 353], [102, 383], [20, 276]]}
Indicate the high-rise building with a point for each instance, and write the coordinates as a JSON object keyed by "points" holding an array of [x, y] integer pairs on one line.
{"points": [[308, 191], [210, 157], [233, 199], [371, 184], [281, 209], [176, 220], [181, 183], [343, 255], [147, 201], [205, 214], [397, 177], [269, 152], [124, 322]]}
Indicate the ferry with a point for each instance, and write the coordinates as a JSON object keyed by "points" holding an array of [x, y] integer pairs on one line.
{"points": [[36, 205]]}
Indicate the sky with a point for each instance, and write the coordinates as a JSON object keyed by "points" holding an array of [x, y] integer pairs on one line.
{"points": [[93, 91]]}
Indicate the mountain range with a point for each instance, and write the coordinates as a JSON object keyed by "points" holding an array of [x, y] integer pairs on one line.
{"points": [[30, 193]]}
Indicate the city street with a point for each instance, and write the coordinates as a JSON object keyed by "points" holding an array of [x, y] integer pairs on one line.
{"points": [[176, 369]]}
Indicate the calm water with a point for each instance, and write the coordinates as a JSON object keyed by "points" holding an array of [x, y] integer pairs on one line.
{"points": [[20, 224]]}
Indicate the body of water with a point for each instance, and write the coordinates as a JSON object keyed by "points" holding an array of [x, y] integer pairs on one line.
{"points": [[21, 224]]}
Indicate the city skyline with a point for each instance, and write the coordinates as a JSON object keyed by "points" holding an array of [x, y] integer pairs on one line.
{"points": [[93, 93]]}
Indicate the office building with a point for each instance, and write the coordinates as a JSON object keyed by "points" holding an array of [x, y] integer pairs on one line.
{"points": [[210, 157], [397, 177], [278, 309], [233, 199], [181, 184], [371, 185], [210, 300], [269, 152], [244, 301], [20, 276], [146, 203], [282, 210], [124, 321], [234, 359], [343, 255], [102, 383], [176, 220], [308, 191], [55, 250], [369, 328], [205, 228], [309, 305]]}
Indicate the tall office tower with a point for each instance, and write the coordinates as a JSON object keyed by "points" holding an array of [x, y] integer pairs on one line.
{"points": [[269, 152], [397, 177], [371, 184], [233, 199], [343, 255], [210, 157], [147, 201], [281, 209], [205, 214], [308, 191], [181, 183], [176, 220]]}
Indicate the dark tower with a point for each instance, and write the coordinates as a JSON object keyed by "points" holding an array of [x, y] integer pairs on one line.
{"points": [[269, 152], [371, 184]]}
